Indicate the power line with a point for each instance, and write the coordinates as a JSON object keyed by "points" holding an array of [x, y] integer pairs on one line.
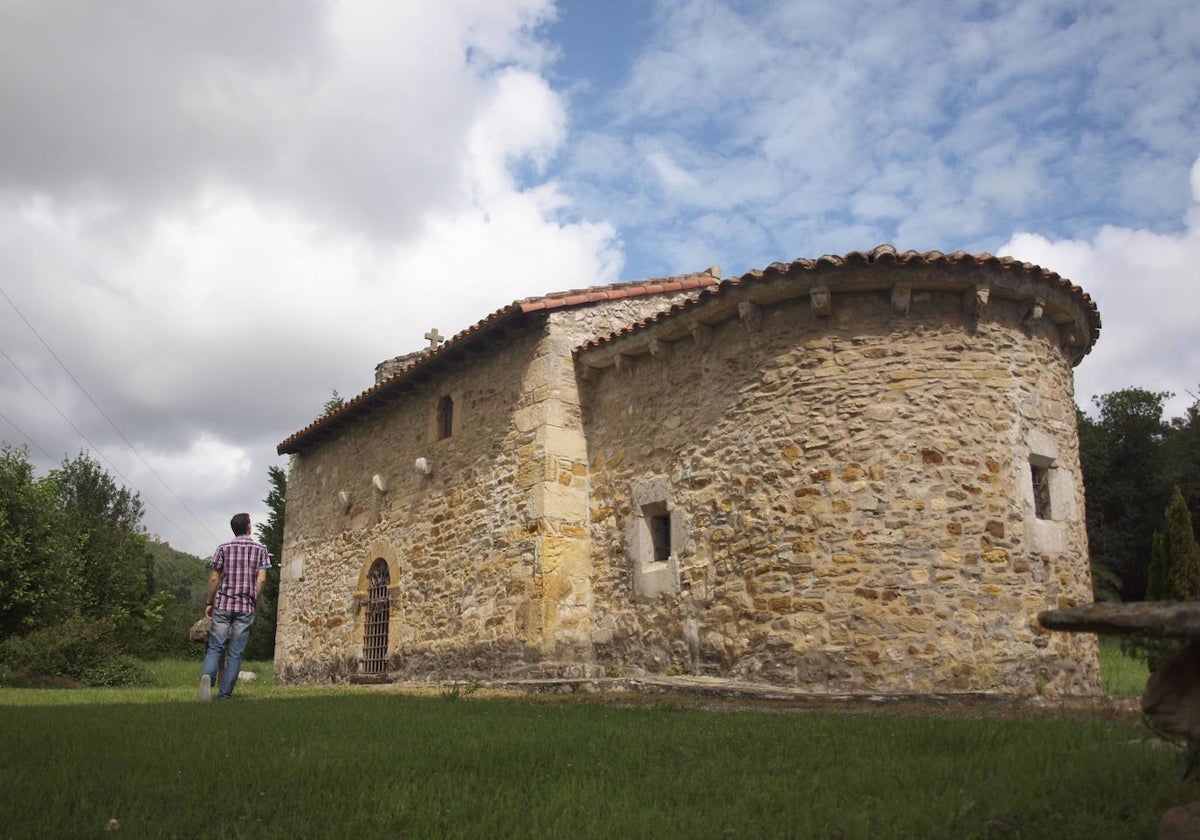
{"points": [[96, 448], [104, 414], [27, 437]]}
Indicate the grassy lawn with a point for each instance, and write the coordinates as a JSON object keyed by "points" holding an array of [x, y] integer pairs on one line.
{"points": [[1120, 675], [352, 762]]}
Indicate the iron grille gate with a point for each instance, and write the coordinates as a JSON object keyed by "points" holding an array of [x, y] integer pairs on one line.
{"points": [[375, 632]]}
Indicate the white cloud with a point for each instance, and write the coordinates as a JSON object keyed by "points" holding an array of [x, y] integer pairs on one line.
{"points": [[208, 465], [214, 226], [673, 176], [195, 214], [1145, 286], [975, 119], [523, 121]]}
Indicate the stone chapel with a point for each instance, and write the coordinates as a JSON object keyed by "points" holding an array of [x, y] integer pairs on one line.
{"points": [[854, 473]]}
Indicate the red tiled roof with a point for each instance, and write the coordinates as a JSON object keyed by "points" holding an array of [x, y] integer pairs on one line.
{"points": [[707, 286], [511, 315], [883, 255]]}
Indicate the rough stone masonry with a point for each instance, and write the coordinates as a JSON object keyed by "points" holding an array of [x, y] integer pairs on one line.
{"points": [[855, 473]]}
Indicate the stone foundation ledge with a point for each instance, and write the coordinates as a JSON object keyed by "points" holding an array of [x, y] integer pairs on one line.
{"points": [[721, 692]]}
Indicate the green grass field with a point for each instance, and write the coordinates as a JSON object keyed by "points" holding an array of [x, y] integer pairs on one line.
{"points": [[1120, 675], [352, 762]]}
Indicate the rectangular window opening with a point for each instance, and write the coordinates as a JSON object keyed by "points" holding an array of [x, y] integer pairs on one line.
{"points": [[660, 537], [656, 538], [658, 520]]}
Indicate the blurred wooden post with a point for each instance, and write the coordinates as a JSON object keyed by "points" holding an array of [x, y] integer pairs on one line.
{"points": [[1171, 700]]}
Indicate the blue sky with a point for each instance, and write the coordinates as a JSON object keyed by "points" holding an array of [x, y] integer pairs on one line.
{"points": [[206, 228], [753, 130]]}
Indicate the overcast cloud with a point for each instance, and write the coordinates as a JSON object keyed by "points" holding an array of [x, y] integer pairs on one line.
{"points": [[212, 214]]}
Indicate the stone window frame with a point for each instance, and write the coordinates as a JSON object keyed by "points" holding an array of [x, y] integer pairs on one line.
{"points": [[1045, 485], [376, 619], [653, 509], [1049, 519], [379, 550]]}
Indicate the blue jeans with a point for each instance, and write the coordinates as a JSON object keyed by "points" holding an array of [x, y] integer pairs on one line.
{"points": [[223, 621]]}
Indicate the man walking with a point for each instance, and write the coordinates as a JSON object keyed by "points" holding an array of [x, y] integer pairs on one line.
{"points": [[239, 570]]}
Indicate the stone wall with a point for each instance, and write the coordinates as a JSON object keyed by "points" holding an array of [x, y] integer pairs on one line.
{"points": [[459, 543], [837, 497], [487, 554], [848, 501]]}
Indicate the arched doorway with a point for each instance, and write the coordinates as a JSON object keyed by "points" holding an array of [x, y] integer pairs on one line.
{"points": [[375, 629]]}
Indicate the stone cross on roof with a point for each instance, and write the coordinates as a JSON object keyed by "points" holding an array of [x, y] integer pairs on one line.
{"points": [[434, 338]]}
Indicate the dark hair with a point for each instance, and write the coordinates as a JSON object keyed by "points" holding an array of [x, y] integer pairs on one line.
{"points": [[240, 524]]}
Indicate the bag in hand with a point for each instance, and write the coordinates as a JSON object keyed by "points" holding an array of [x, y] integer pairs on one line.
{"points": [[199, 631]]}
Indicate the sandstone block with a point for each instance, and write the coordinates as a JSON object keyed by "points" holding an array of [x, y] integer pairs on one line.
{"points": [[537, 470]]}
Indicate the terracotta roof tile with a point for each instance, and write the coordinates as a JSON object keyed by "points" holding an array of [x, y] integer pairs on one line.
{"points": [[708, 286], [883, 255], [382, 391]]}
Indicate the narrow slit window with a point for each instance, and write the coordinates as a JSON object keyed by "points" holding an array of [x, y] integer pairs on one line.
{"points": [[658, 520], [445, 417], [1041, 490]]}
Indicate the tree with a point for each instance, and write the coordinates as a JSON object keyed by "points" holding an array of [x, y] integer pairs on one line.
{"points": [[181, 580], [1174, 575], [1093, 462], [1181, 450], [1175, 556], [75, 577], [39, 580], [270, 533], [103, 522], [1121, 454], [334, 403], [182, 574]]}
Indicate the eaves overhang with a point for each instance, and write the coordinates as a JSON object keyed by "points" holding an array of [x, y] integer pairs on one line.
{"points": [[880, 269], [514, 318]]}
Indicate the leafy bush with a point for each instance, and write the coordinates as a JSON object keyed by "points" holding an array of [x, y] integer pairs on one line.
{"points": [[162, 633], [77, 651], [170, 638], [118, 670]]}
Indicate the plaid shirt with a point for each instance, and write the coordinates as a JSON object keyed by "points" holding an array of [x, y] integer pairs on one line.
{"points": [[238, 562]]}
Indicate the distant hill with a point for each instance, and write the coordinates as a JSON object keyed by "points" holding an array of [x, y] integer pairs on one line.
{"points": [[183, 575]]}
